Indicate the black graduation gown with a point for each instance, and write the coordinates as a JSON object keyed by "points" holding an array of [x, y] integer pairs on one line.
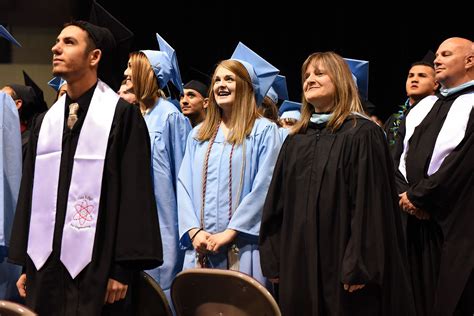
{"points": [[330, 217], [440, 250], [127, 234]]}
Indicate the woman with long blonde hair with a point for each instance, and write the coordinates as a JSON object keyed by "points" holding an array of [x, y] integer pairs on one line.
{"points": [[331, 227], [149, 72], [226, 172]]}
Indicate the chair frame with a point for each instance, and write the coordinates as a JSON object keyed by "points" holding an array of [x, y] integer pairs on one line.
{"points": [[191, 294]]}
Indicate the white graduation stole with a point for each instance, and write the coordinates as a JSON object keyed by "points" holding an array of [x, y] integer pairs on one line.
{"points": [[453, 130], [451, 134], [412, 120], [86, 182]]}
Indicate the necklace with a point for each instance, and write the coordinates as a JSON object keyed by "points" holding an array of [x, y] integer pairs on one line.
{"points": [[396, 123]]}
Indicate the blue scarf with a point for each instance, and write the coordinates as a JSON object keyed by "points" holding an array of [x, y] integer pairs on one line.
{"points": [[319, 118]]}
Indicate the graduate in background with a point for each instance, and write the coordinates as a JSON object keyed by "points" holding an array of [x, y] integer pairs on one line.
{"points": [[59, 85], [269, 106], [289, 113], [330, 236], [11, 163], [29, 101], [195, 97], [86, 219], [149, 72], [227, 168], [419, 84]]}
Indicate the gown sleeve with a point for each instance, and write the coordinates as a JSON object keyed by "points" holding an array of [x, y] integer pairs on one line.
{"points": [[177, 129], [272, 218], [138, 241], [187, 217], [373, 212], [21, 223], [247, 216]]}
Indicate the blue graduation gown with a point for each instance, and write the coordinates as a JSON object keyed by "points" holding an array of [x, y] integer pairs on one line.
{"points": [[168, 130], [10, 164], [262, 147]]}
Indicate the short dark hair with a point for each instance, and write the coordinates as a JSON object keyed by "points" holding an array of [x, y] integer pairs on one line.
{"points": [[422, 63], [90, 44]]}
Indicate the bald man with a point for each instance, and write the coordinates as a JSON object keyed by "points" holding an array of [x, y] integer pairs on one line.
{"points": [[436, 185]]}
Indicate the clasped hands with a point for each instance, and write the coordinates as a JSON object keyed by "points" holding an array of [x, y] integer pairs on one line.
{"points": [[205, 242], [411, 209]]}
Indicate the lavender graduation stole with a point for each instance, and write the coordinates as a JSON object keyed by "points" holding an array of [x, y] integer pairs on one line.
{"points": [[86, 182]]}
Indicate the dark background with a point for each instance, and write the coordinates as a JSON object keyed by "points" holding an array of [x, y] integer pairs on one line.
{"points": [[285, 33]]}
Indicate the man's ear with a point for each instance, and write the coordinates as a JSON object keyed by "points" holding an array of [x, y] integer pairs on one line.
{"points": [[94, 57], [470, 61], [205, 103], [19, 104]]}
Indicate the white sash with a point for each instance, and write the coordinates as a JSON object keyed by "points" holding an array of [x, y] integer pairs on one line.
{"points": [[412, 120], [449, 137], [86, 182], [453, 130]]}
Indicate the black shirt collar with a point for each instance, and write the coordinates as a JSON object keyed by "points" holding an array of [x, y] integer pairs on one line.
{"points": [[84, 101]]}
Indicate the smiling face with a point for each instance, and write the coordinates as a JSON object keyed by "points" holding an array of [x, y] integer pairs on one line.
{"points": [[128, 73], [224, 87], [454, 58], [318, 88]]}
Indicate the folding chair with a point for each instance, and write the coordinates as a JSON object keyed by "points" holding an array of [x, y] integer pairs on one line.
{"points": [[8, 308], [199, 292], [149, 299]]}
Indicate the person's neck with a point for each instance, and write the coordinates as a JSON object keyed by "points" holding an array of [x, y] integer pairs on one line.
{"points": [[196, 118], [75, 89], [226, 122], [148, 104], [323, 108]]}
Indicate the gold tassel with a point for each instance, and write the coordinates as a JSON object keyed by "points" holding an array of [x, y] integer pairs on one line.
{"points": [[233, 258]]}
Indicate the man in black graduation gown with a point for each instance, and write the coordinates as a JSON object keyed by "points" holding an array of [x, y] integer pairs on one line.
{"points": [[127, 236], [435, 179]]}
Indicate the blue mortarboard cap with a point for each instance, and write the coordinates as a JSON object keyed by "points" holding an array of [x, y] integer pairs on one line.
{"points": [[289, 106], [360, 69], [8, 36], [165, 64], [278, 90], [261, 72], [56, 83]]}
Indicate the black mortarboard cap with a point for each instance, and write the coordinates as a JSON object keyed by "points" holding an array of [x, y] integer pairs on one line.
{"points": [[429, 57], [198, 81], [39, 103], [111, 69], [28, 96]]}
